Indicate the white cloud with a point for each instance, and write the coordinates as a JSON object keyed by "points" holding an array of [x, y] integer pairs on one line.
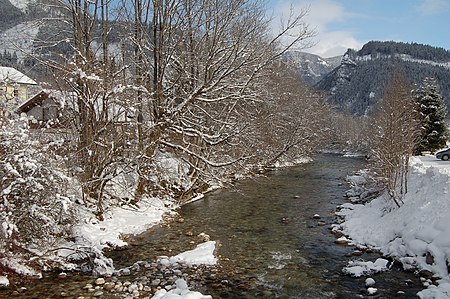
{"points": [[335, 43], [434, 6], [321, 14]]}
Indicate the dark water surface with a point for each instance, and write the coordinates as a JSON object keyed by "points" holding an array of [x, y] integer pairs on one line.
{"points": [[270, 244]]}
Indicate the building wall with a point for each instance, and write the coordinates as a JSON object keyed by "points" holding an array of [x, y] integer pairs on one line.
{"points": [[48, 110], [9, 92]]}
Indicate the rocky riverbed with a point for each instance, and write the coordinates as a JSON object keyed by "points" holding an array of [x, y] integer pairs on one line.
{"points": [[145, 278]]}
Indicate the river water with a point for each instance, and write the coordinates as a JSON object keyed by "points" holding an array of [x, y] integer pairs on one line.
{"points": [[270, 245]]}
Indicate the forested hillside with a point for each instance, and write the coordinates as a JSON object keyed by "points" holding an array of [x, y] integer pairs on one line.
{"points": [[357, 84], [9, 15]]}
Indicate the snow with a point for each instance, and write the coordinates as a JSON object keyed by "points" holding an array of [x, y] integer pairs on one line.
{"points": [[19, 39], [9, 74], [362, 268], [122, 221], [92, 235], [21, 4], [370, 282], [4, 282], [19, 267], [417, 234], [203, 254], [181, 291]]}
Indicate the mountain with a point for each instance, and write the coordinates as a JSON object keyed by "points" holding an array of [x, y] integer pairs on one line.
{"points": [[10, 15], [27, 28], [311, 67], [357, 84]]}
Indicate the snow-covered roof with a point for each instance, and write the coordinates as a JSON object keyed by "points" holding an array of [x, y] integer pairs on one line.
{"points": [[11, 75]]}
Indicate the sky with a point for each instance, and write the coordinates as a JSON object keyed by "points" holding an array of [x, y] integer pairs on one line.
{"points": [[343, 24]]}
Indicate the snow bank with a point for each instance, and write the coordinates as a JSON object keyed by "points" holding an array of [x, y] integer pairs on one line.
{"points": [[19, 267], [417, 233], [94, 235], [203, 254], [121, 221]]}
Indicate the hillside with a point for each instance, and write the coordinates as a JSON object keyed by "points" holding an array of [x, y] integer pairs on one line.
{"points": [[9, 15], [22, 22], [358, 82], [312, 68]]}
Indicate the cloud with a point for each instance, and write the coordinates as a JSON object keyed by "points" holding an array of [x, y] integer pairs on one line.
{"points": [[431, 7], [335, 43], [321, 15]]}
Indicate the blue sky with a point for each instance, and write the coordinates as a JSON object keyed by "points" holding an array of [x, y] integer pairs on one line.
{"points": [[343, 24]]}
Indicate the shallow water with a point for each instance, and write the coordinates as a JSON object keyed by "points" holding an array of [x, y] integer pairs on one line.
{"points": [[266, 229], [270, 245]]}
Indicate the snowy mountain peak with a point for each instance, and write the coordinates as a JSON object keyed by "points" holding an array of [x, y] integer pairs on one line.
{"points": [[311, 67]]}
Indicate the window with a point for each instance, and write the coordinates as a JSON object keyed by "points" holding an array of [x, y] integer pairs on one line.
{"points": [[16, 93], [46, 113]]}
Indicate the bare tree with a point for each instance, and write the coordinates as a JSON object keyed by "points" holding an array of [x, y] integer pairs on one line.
{"points": [[349, 132], [293, 124], [395, 132], [205, 64], [90, 78], [189, 82]]}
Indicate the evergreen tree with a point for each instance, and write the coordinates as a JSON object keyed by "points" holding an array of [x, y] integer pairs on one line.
{"points": [[432, 113]]}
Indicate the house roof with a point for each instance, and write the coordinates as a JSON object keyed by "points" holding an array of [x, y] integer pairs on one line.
{"points": [[36, 100], [11, 75], [61, 98]]}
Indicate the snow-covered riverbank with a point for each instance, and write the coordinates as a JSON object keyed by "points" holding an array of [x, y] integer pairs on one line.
{"points": [[418, 233]]}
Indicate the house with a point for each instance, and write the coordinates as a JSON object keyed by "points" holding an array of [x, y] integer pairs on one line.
{"points": [[14, 88], [42, 107], [48, 108]]}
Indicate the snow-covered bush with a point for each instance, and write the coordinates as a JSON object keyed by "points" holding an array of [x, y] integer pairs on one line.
{"points": [[35, 210]]}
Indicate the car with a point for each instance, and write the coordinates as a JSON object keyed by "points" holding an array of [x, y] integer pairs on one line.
{"points": [[443, 154]]}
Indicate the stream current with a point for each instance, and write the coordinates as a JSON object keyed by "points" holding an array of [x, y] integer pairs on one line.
{"points": [[270, 243]]}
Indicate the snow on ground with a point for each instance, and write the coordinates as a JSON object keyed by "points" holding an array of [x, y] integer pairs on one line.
{"points": [[121, 221], [203, 254], [417, 233], [126, 221], [19, 267], [361, 268]]}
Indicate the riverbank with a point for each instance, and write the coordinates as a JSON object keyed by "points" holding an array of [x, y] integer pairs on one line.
{"points": [[270, 240], [85, 252], [274, 241], [417, 234]]}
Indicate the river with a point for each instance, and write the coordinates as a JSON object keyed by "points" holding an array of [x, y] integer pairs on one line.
{"points": [[270, 243]]}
